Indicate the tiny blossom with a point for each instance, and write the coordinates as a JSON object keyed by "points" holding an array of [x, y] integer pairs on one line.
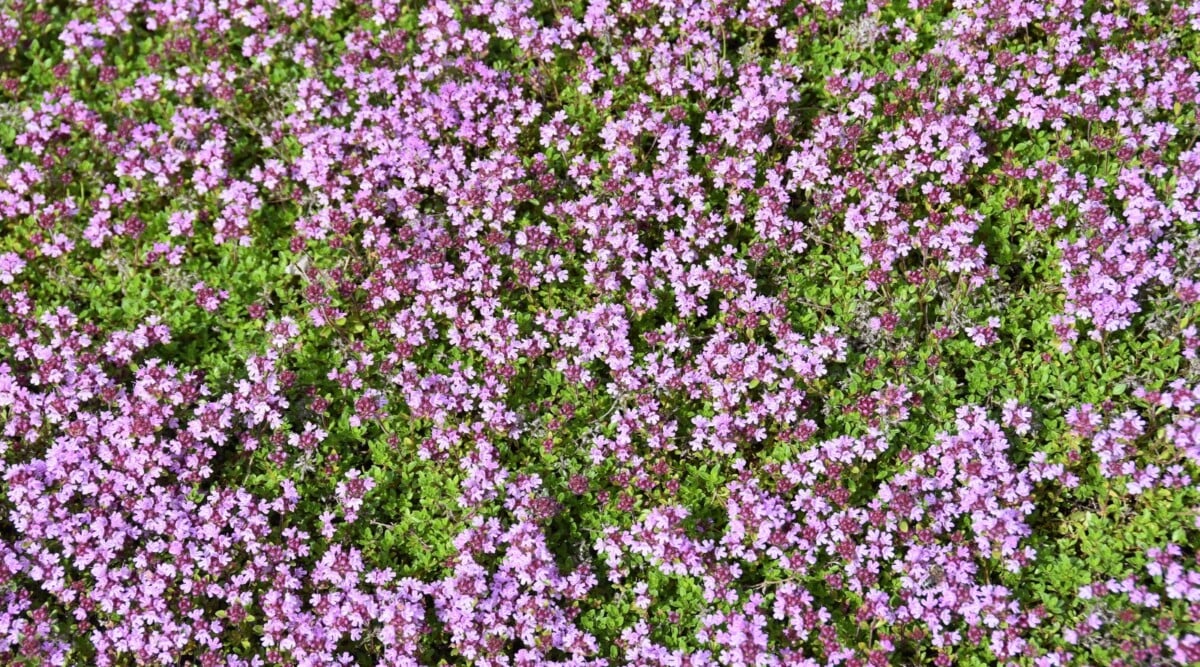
{"points": [[351, 491], [1017, 416], [208, 298], [181, 223], [984, 335], [10, 266]]}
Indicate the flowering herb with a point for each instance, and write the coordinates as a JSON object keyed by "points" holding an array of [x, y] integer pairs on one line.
{"points": [[595, 332]]}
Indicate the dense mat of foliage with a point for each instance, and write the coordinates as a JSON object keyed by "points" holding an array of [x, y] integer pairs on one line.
{"points": [[588, 332]]}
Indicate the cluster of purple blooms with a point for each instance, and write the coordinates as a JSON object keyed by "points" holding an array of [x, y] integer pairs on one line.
{"points": [[612, 209]]}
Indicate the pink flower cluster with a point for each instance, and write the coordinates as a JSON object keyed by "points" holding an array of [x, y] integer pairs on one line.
{"points": [[614, 299]]}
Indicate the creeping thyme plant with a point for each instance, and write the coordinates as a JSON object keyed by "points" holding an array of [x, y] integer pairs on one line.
{"points": [[587, 333]]}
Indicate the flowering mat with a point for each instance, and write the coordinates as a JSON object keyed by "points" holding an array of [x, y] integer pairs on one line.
{"points": [[588, 333]]}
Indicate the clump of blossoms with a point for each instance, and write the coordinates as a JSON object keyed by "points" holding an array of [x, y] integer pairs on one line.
{"points": [[662, 332]]}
